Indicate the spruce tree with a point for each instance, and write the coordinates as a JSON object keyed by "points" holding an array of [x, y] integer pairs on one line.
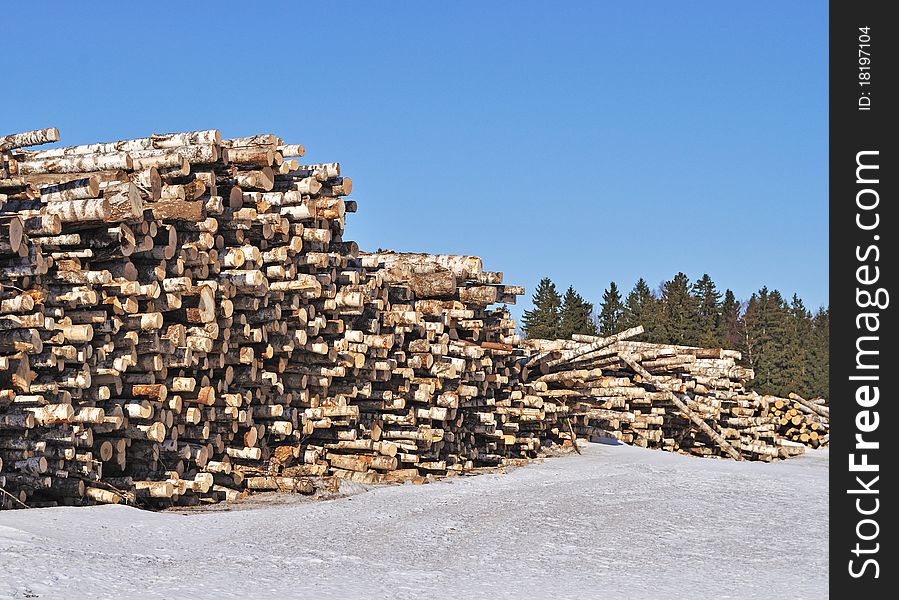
{"points": [[729, 322], [769, 348], [819, 355], [785, 351], [798, 346], [611, 311], [542, 322], [642, 308], [707, 314], [575, 316], [678, 312]]}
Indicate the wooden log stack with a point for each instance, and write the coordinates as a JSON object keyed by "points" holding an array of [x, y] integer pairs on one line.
{"points": [[676, 398], [169, 310], [449, 359], [181, 322], [804, 421]]}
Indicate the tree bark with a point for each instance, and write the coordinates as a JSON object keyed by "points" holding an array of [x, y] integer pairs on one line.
{"points": [[29, 138]]}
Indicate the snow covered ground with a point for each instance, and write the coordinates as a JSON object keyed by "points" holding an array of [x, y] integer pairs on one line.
{"points": [[616, 522]]}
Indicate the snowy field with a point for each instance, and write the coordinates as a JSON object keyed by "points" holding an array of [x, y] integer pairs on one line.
{"points": [[616, 522]]}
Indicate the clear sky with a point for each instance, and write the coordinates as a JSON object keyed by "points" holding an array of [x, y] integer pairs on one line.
{"points": [[586, 141]]}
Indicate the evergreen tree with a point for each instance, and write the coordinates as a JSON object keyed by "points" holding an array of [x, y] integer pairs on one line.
{"points": [[678, 312], [642, 308], [611, 311], [819, 355], [708, 313], [542, 322], [729, 322], [767, 331], [575, 316], [797, 348]]}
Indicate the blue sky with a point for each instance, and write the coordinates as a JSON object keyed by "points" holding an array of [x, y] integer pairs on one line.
{"points": [[585, 141]]}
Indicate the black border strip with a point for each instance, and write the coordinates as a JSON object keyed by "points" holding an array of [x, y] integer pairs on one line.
{"points": [[862, 271]]}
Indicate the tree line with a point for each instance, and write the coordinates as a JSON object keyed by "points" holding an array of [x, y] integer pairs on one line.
{"points": [[782, 340]]}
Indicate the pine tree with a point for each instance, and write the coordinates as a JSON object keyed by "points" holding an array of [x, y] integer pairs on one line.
{"points": [[729, 322], [785, 351], [769, 348], [678, 312], [819, 355], [642, 308], [797, 348], [542, 322], [708, 313], [575, 316], [611, 311]]}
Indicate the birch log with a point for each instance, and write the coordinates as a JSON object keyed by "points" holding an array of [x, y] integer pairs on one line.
{"points": [[29, 138]]}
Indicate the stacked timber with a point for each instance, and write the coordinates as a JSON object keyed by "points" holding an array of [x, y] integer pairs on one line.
{"points": [[183, 322], [676, 398], [169, 310], [418, 368], [449, 359], [804, 421], [416, 358]]}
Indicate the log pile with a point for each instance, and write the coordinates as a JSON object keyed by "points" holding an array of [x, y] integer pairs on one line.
{"points": [[804, 421], [416, 373], [182, 321], [449, 360], [170, 314], [676, 398]]}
